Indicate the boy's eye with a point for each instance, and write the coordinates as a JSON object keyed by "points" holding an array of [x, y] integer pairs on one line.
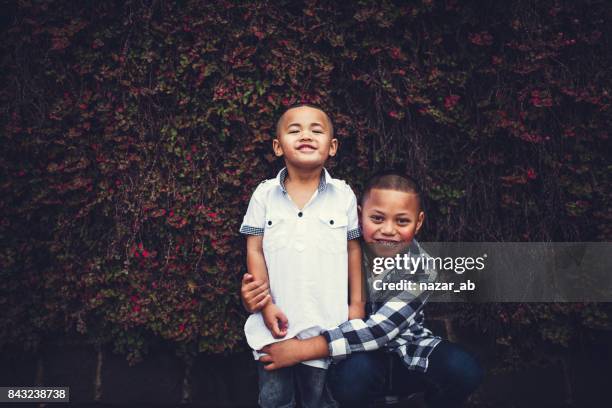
{"points": [[317, 131], [376, 218], [292, 131], [403, 221]]}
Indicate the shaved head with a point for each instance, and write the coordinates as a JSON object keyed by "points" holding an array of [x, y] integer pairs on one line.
{"points": [[392, 180], [279, 123]]}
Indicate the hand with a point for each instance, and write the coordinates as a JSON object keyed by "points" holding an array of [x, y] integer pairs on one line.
{"points": [[275, 320], [254, 293], [356, 310], [282, 354]]}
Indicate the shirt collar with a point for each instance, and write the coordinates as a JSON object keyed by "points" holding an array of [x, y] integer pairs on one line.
{"points": [[323, 181]]}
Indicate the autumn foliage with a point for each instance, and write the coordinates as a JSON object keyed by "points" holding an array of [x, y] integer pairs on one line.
{"points": [[133, 134]]}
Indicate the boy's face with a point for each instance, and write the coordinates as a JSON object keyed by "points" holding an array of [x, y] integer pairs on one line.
{"points": [[389, 220], [304, 138]]}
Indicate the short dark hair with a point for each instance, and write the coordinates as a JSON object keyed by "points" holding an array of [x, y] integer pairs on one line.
{"points": [[308, 105], [392, 179]]}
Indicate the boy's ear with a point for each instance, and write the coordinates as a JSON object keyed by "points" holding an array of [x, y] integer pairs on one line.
{"points": [[333, 147], [276, 147], [359, 214], [420, 220]]}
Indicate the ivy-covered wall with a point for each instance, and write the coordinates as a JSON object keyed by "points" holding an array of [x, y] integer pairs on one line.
{"points": [[134, 132]]}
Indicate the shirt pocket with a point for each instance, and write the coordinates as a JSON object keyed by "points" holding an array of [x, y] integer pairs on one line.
{"points": [[275, 234], [332, 232]]}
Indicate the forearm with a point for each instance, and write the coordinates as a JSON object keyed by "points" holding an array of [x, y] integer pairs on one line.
{"points": [[256, 263], [392, 319], [293, 351], [312, 348], [256, 266], [356, 284], [254, 289]]}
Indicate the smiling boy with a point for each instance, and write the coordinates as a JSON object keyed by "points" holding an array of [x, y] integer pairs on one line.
{"points": [[390, 215], [301, 232]]}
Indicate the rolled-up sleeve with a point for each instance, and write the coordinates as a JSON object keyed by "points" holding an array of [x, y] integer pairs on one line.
{"points": [[255, 217], [337, 344], [375, 332], [353, 231]]}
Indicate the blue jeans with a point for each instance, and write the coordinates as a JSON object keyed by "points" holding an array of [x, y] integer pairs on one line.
{"points": [[452, 375], [277, 388]]}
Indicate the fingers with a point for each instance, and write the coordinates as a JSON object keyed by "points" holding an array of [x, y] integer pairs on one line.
{"points": [[253, 292], [255, 305], [283, 318], [254, 288], [246, 278], [284, 323], [279, 326], [267, 360], [259, 305], [257, 289], [276, 331], [279, 331], [246, 288], [243, 286], [256, 299]]}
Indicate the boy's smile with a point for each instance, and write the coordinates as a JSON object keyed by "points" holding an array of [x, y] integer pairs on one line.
{"points": [[304, 138], [307, 148], [389, 220]]}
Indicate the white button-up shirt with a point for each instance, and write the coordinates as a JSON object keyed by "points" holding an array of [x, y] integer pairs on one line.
{"points": [[306, 256]]}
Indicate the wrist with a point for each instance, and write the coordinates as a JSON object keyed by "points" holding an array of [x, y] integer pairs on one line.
{"points": [[267, 307], [313, 348]]}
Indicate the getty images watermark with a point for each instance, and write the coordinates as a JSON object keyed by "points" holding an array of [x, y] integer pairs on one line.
{"points": [[492, 271], [412, 263]]}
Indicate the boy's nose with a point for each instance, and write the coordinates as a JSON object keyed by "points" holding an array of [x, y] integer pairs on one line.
{"points": [[387, 228], [306, 136]]}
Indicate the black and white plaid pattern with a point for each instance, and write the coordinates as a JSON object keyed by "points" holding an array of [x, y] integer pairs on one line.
{"points": [[248, 230], [395, 325]]}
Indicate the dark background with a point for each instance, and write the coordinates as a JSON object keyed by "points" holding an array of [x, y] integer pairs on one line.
{"points": [[133, 134]]}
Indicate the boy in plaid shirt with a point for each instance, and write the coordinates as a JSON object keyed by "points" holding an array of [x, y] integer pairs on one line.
{"points": [[390, 217]]}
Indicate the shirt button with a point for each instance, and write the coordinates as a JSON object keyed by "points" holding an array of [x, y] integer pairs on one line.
{"points": [[300, 214], [269, 222], [331, 222]]}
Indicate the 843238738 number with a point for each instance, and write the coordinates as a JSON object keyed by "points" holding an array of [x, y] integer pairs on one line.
{"points": [[34, 394]]}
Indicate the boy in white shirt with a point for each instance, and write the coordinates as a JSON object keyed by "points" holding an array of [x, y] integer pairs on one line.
{"points": [[298, 226]]}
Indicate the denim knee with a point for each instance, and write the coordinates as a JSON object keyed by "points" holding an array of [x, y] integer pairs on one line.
{"points": [[358, 379]]}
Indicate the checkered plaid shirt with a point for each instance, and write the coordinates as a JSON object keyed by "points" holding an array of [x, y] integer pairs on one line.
{"points": [[395, 326]]}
